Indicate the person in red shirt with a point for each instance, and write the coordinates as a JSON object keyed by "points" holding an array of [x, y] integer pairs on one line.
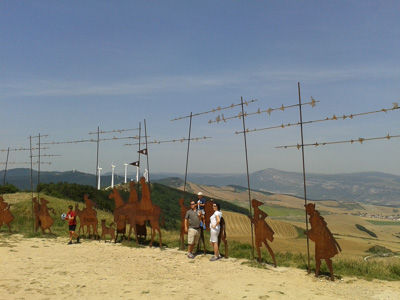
{"points": [[71, 217]]}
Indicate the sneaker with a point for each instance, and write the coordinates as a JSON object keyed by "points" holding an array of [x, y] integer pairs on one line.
{"points": [[214, 258], [70, 243], [190, 256], [204, 227], [219, 256], [201, 223]]}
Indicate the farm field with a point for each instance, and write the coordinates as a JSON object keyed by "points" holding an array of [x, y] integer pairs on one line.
{"points": [[285, 212]]}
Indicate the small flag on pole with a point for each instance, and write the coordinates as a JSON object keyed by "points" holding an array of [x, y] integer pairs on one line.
{"points": [[143, 151], [136, 163]]}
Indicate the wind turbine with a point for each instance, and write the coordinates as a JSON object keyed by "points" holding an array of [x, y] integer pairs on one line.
{"points": [[112, 175], [126, 166], [98, 182]]}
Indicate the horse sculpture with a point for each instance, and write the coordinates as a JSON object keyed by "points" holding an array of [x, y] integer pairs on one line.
{"points": [[6, 216], [262, 231], [87, 217], [326, 246], [138, 213], [141, 230]]}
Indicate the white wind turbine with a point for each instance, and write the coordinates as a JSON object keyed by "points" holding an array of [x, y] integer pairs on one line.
{"points": [[98, 180], [112, 175], [126, 166]]}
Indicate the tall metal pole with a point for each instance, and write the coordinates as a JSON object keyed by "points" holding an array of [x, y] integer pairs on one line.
{"points": [[304, 176], [248, 177], [97, 161], [33, 213], [187, 156], [38, 191], [138, 167], [147, 154], [5, 172]]}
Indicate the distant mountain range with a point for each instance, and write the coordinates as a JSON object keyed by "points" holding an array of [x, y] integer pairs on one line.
{"points": [[366, 187]]}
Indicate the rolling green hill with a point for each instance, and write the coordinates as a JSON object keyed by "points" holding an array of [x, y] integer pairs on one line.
{"points": [[164, 196]]}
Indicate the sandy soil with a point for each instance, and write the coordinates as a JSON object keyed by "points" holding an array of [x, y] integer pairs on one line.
{"points": [[49, 269]]}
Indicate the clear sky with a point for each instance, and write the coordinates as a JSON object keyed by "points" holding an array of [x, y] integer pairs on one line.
{"points": [[69, 67]]}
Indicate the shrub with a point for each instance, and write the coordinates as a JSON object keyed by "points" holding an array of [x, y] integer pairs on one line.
{"points": [[362, 228]]}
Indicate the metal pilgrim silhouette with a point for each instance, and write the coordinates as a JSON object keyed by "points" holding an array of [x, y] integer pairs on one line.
{"points": [[6, 216]]}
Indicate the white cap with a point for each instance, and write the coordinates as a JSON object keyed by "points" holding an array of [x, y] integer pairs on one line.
{"points": [[199, 194]]}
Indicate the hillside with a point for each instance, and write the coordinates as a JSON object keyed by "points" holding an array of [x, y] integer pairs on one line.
{"points": [[165, 197], [287, 216], [369, 187]]}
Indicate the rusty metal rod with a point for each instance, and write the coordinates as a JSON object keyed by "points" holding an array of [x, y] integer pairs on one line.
{"points": [[187, 156], [248, 177], [304, 177]]}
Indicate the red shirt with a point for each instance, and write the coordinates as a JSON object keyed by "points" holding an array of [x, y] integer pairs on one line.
{"points": [[71, 215]]}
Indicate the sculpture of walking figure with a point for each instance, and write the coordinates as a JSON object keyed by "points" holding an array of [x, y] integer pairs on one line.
{"points": [[326, 246], [262, 230]]}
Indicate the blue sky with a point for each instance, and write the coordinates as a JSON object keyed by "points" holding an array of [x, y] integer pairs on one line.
{"points": [[69, 67]]}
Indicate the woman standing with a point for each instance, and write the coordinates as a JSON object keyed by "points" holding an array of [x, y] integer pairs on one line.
{"points": [[215, 228]]}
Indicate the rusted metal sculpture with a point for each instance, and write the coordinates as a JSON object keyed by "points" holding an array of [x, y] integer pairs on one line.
{"points": [[6, 216], [42, 216], [107, 230], [262, 230], [326, 246], [184, 209], [138, 212], [141, 229], [222, 236], [121, 227], [87, 217]]}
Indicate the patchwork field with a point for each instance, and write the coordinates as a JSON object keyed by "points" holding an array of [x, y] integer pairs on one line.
{"points": [[287, 212]]}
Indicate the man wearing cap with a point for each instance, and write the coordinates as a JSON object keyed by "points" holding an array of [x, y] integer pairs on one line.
{"points": [[192, 228], [201, 203]]}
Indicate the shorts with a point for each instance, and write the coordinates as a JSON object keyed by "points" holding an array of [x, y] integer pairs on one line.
{"points": [[214, 235], [193, 236], [202, 212], [72, 227]]}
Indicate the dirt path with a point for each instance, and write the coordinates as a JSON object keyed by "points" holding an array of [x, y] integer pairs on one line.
{"points": [[50, 269]]}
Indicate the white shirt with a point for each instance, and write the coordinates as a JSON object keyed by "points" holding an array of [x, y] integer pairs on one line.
{"points": [[213, 220]]}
